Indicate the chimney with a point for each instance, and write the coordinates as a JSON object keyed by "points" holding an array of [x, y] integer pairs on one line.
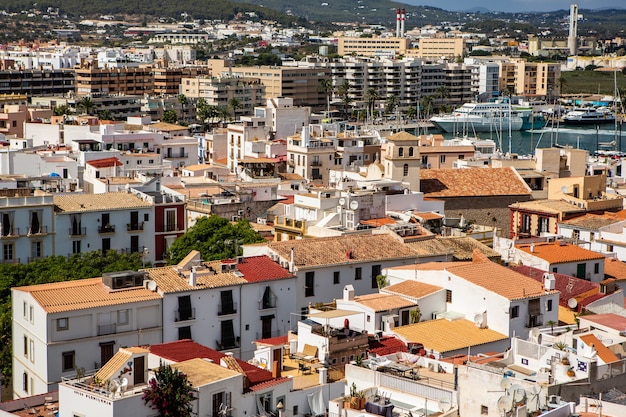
{"points": [[397, 23], [192, 277], [292, 261], [532, 248], [348, 293], [402, 19], [322, 374]]}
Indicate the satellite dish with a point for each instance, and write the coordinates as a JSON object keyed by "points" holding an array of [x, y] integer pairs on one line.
{"points": [[534, 332], [519, 393], [444, 405], [152, 286], [342, 201], [505, 384], [354, 205], [478, 320], [572, 303], [505, 403]]}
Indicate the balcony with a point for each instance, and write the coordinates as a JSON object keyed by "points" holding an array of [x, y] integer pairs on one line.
{"points": [[226, 308], [9, 232], [228, 343], [104, 329], [315, 163], [178, 155], [185, 314], [106, 229], [535, 320], [11, 261], [77, 231], [134, 227], [41, 230], [268, 303]]}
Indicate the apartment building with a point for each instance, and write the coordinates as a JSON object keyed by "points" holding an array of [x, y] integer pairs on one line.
{"points": [[100, 222], [530, 78], [94, 81], [63, 328], [13, 117], [167, 81], [441, 48], [34, 82], [220, 90], [299, 83], [372, 46]]}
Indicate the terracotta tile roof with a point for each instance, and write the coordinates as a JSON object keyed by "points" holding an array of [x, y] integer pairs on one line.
{"points": [[509, 284], [347, 249], [603, 352], [569, 287], [402, 135], [610, 320], [378, 222], [273, 341], [547, 206], [200, 372], [428, 215], [80, 203], [105, 162], [182, 350], [290, 176], [472, 182], [429, 266], [590, 299], [271, 383], [443, 335], [413, 289], [559, 252], [592, 221], [168, 280], [386, 345], [262, 268], [167, 127], [461, 248], [383, 302], [82, 294], [614, 268]]}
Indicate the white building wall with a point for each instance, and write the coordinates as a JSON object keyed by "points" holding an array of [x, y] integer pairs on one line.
{"points": [[43, 134]]}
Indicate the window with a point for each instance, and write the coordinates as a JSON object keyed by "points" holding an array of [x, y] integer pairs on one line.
{"points": [[31, 312], [62, 324], [32, 351], [411, 151], [369, 318], [25, 382], [76, 246], [442, 159], [7, 251], [405, 170], [122, 317], [543, 225], [25, 310], [67, 362], [309, 284], [549, 305], [36, 250], [221, 401], [170, 220], [609, 248], [26, 346], [358, 273], [484, 410], [448, 296], [576, 234], [146, 217], [596, 268], [336, 277], [525, 228], [400, 151], [514, 312], [184, 332]]}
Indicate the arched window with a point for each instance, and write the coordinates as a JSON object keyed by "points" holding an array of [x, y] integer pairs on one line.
{"points": [[400, 151], [406, 170], [411, 151]]}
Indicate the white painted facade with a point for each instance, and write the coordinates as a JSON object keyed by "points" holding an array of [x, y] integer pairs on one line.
{"points": [[41, 340], [509, 317]]}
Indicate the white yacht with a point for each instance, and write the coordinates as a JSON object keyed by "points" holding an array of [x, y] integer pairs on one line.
{"points": [[480, 117], [589, 116]]}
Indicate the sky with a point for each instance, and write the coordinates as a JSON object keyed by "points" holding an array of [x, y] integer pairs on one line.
{"points": [[518, 5]]}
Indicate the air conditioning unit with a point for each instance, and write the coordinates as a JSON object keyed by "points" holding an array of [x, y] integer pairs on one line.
{"points": [[240, 212], [431, 367]]}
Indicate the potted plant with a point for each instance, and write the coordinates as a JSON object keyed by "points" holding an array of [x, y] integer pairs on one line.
{"points": [[571, 373]]}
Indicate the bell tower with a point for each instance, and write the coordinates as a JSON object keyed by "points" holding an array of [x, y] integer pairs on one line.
{"points": [[401, 159]]}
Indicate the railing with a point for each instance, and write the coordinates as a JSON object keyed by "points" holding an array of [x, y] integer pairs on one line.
{"points": [[41, 230], [226, 308], [267, 303], [106, 329], [9, 232], [185, 315], [134, 226], [78, 231], [178, 155], [106, 229], [11, 261], [316, 163]]}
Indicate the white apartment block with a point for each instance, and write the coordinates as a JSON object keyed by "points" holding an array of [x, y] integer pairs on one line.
{"points": [[63, 328]]}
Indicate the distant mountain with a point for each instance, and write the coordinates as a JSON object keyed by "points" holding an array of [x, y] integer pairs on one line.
{"points": [[477, 10]]}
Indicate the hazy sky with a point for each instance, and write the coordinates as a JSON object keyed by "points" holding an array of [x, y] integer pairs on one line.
{"points": [[519, 5]]}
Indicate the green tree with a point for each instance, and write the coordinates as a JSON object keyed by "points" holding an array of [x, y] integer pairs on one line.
{"points": [[215, 238], [61, 110], [416, 315], [169, 116], [442, 93], [426, 103], [86, 104], [105, 115], [562, 83], [371, 96], [411, 112], [234, 104], [343, 91], [381, 281], [170, 393], [182, 100], [326, 87], [391, 103]]}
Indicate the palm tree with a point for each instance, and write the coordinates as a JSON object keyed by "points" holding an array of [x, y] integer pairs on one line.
{"points": [[343, 90], [426, 104], [326, 87], [182, 100], [105, 115], [391, 103], [371, 96], [442, 93], [86, 104], [411, 112], [551, 323], [61, 110], [235, 104]]}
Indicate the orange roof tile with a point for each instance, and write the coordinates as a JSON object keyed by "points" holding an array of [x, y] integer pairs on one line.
{"points": [[98, 202], [472, 182], [559, 252], [603, 352], [84, 293], [614, 268], [413, 289], [593, 221], [402, 135], [383, 302], [168, 280], [443, 335]]}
